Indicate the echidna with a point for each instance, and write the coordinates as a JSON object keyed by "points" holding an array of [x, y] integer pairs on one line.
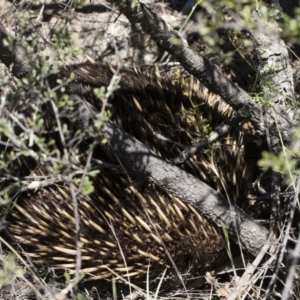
{"points": [[127, 231]]}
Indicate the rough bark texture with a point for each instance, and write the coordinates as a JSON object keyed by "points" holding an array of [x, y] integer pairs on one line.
{"points": [[195, 64], [142, 162], [274, 68], [210, 75]]}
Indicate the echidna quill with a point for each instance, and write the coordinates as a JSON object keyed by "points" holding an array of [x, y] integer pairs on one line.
{"points": [[125, 231]]}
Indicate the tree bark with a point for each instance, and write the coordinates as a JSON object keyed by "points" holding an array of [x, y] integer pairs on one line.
{"points": [[197, 65], [209, 74], [140, 161], [274, 68]]}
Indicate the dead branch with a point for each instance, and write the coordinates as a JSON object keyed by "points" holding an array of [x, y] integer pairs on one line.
{"points": [[209, 74], [140, 161], [215, 135]]}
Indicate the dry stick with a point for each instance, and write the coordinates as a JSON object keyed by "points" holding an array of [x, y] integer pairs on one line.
{"points": [[285, 240], [197, 65], [143, 163], [33, 274], [73, 197], [266, 266], [77, 232], [286, 294], [166, 140], [20, 186], [219, 131], [189, 151], [246, 279]]}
